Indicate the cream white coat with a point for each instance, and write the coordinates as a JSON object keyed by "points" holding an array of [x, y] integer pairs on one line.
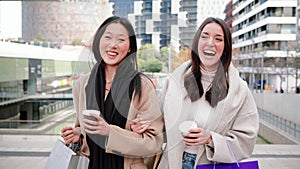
{"points": [[235, 119]]}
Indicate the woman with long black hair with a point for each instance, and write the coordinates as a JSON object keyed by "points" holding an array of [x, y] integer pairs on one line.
{"points": [[121, 93]]}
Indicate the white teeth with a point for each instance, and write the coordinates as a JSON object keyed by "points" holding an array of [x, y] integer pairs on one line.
{"points": [[209, 52], [111, 53]]}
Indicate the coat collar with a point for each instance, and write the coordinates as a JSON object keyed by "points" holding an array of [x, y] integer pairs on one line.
{"points": [[217, 112]]}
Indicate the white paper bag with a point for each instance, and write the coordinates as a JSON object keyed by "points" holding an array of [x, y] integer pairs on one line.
{"points": [[60, 156], [78, 162]]}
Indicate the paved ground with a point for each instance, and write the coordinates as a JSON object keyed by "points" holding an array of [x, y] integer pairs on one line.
{"points": [[277, 156], [32, 151], [25, 151]]}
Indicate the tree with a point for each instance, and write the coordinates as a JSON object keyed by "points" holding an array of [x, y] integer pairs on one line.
{"points": [[153, 65], [164, 55], [141, 65], [39, 38], [148, 59], [77, 42], [183, 55], [295, 63], [147, 51]]}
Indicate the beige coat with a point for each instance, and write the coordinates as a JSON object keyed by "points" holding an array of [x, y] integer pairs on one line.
{"points": [[125, 141], [235, 119]]}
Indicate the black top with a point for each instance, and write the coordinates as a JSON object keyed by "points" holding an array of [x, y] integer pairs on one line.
{"points": [[95, 92]]}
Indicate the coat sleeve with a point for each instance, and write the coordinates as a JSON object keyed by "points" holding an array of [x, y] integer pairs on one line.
{"points": [[240, 135], [77, 102], [77, 93], [128, 143]]}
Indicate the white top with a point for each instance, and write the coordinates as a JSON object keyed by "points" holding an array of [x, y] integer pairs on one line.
{"points": [[201, 108]]}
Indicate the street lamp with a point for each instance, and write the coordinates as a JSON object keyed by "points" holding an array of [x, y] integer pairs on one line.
{"points": [[296, 62], [287, 71], [252, 65], [262, 74], [170, 59]]}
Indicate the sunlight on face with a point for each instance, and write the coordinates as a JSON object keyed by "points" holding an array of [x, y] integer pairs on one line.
{"points": [[211, 46]]}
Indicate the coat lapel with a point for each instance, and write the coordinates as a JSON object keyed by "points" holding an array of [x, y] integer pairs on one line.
{"points": [[178, 108]]}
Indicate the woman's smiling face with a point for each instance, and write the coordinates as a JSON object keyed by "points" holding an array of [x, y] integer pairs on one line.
{"points": [[114, 44], [211, 46]]}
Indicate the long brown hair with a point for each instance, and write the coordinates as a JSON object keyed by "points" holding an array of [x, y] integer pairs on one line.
{"points": [[219, 86]]}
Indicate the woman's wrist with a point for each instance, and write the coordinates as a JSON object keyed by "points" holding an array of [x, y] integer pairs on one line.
{"points": [[209, 140], [78, 130], [79, 133]]}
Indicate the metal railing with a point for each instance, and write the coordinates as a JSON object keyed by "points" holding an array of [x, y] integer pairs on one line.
{"points": [[280, 124]]}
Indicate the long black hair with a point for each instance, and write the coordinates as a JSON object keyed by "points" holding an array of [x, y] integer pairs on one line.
{"points": [[219, 86]]}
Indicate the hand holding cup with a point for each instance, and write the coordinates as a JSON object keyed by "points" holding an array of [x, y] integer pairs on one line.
{"points": [[87, 114], [94, 123], [193, 135], [186, 126]]}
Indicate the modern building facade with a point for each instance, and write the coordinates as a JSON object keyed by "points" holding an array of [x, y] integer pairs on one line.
{"points": [[228, 15], [146, 21], [172, 22], [298, 20], [197, 12], [63, 21], [169, 20], [29, 72], [264, 42], [123, 7], [186, 33]]}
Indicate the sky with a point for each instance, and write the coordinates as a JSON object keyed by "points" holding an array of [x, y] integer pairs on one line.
{"points": [[10, 19]]}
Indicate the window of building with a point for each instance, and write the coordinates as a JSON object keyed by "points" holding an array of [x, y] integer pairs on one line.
{"points": [[288, 29]]}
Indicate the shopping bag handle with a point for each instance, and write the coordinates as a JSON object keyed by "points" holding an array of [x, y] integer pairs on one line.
{"points": [[232, 153]]}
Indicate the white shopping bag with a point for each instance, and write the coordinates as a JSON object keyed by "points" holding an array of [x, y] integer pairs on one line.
{"points": [[62, 157]]}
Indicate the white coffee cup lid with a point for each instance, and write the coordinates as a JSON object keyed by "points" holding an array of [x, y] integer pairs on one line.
{"points": [[88, 112], [185, 126]]}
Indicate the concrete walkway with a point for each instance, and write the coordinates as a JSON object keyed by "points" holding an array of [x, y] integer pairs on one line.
{"points": [[25, 151], [32, 151]]}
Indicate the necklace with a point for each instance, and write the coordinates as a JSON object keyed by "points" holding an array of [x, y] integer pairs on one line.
{"points": [[109, 82]]}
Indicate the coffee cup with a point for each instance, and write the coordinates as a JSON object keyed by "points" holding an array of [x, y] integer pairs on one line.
{"points": [[87, 114], [185, 126]]}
